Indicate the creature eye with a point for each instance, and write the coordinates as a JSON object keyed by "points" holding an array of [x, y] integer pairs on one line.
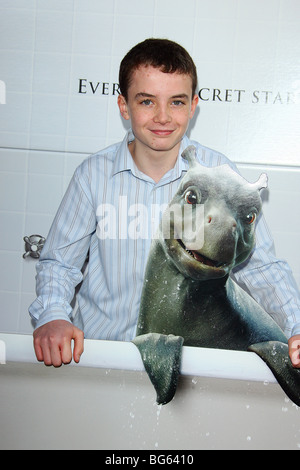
{"points": [[191, 197], [250, 218]]}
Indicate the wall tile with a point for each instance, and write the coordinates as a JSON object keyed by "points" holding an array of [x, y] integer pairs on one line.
{"points": [[135, 7], [12, 22], [268, 10], [66, 5], [85, 144], [12, 227], [214, 9], [46, 47], [89, 37], [88, 76], [25, 325], [72, 162], [49, 114], [95, 116], [288, 47], [47, 141], [10, 277], [15, 114], [54, 31], [15, 140], [214, 41], [9, 312], [12, 191], [179, 29], [16, 70], [13, 160], [47, 163], [256, 47], [28, 275], [290, 11], [37, 224], [44, 193], [129, 31], [51, 73], [95, 6], [24, 4]]}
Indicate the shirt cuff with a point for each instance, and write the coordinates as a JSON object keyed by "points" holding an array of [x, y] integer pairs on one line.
{"points": [[296, 330], [51, 315]]}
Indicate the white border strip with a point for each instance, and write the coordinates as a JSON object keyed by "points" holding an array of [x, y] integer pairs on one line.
{"points": [[119, 355]]}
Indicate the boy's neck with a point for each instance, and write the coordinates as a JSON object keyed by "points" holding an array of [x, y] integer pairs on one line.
{"points": [[154, 164]]}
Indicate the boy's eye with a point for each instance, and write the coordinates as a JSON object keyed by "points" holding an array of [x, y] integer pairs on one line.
{"points": [[178, 103], [146, 102]]}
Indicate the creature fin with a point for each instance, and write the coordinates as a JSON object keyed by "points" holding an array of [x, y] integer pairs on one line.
{"points": [[161, 355], [276, 356], [262, 182]]}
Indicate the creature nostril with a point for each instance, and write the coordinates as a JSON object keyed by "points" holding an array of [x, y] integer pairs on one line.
{"points": [[234, 227]]}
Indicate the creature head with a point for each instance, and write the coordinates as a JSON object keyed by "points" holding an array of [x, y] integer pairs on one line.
{"points": [[208, 227]]}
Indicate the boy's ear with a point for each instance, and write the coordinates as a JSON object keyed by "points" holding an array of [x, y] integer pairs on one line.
{"points": [[123, 107], [195, 101]]}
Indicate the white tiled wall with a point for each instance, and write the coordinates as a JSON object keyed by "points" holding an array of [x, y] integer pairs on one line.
{"points": [[47, 127]]}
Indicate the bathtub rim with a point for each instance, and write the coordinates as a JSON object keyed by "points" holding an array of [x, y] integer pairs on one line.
{"points": [[118, 355]]}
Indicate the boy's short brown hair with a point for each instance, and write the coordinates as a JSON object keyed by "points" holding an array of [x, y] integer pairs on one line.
{"points": [[164, 54]]}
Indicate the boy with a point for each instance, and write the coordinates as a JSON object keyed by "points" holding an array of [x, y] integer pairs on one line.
{"points": [[158, 82]]}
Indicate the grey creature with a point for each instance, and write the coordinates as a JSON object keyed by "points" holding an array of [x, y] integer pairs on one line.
{"points": [[188, 297]]}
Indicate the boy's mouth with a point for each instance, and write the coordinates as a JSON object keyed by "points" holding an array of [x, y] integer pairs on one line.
{"points": [[162, 133]]}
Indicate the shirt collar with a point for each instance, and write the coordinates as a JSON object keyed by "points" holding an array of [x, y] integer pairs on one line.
{"points": [[125, 162]]}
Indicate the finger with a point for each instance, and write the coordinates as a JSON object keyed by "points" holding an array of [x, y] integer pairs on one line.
{"points": [[295, 358], [294, 351], [78, 344], [38, 350], [55, 356], [46, 353], [42, 351], [66, 352]]}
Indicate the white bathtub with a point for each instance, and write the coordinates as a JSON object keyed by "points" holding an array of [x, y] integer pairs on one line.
{"points": [[225, 400]]}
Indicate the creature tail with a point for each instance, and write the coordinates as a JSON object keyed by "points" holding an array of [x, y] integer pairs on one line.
{"points": [[161, 355], [276, 356]]}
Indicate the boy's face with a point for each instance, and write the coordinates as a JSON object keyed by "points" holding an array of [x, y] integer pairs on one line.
{"points": [[160, 106]]}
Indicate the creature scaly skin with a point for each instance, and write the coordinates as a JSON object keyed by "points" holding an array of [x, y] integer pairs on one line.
{"points": [[188, 295]]}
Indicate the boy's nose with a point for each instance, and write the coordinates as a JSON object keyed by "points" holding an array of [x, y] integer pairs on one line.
{"points": [[162, 115]]}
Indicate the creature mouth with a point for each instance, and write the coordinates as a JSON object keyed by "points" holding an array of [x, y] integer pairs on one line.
{"points": [[201, 258]]}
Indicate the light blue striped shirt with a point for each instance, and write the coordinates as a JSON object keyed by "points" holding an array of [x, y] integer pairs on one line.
{"points": [[109, 213]]}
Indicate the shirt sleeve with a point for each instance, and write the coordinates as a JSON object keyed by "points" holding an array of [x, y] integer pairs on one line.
{"points": [[270, 282], [64, 253]]}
